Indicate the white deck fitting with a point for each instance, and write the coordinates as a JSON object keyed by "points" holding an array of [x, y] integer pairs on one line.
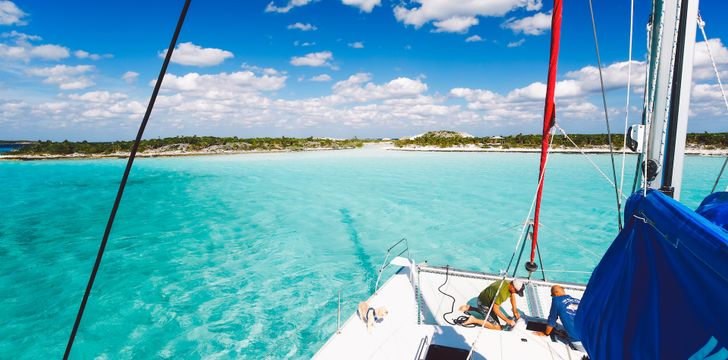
{"points": [[400, 336]]}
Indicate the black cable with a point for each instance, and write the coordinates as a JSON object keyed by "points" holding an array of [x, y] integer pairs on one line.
{"points": [[124, 178], [460, 319], [606, 116], [452, 307]]}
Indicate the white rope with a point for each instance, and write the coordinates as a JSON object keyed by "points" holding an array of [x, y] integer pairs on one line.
{"points": [[518, 243], [626, 107], [701, 24], [588, 158]]}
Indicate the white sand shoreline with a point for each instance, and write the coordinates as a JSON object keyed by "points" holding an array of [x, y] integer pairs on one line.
{"points": [[388, 146], [154, 154], [590, 150]]}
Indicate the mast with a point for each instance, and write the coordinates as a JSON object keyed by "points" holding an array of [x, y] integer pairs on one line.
{"points": [[549, 116], [674, 24]]}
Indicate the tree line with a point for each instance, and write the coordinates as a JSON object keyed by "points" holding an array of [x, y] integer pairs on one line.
{"points": [[190, 143], [706, 140]]}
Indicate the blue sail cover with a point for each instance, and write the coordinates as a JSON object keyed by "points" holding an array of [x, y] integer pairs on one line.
{"points": [[715, 209], [661, 289]]}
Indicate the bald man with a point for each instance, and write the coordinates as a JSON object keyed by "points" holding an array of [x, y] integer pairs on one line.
{"points": [[564, 307]]}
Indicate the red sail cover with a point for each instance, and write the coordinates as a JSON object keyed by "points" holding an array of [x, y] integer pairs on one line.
{"points": [[549, 114]]}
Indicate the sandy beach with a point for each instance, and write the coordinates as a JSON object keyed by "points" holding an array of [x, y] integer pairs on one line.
{"points": [[590, 150], [376, 145]]}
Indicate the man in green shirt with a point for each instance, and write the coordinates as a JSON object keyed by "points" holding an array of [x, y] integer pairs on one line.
{"points": [[495, 294]]}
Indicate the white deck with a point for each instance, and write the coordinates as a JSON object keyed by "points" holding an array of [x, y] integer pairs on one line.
{"points": [[409, 329]]}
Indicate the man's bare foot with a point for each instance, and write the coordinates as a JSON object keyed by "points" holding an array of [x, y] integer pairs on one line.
{"points": [[464, 308], [471, 320]]}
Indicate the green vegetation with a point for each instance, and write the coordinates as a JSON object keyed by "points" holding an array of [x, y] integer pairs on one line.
{"points": [[186, 143], [451, 139]]}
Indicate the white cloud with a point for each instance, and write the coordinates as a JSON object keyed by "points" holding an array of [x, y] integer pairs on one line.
{"points": [[303, 43], [363, 5], [20, 36], [66, 77], [321, 78], [703, 67], [272, 7], [456, 24], [457, 14], [86, 55], [302, 27], [262, 70], [223, 84], [194, 55], [359, 88], [22, 49], [474, 38], [98, 96], [130, 77], [536, 24], [516, 43], [10, 14], [356, 45], [316, 59]]}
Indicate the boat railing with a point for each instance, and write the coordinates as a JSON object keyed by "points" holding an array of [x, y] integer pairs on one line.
{"points": [[338, 316], [401, 247]]}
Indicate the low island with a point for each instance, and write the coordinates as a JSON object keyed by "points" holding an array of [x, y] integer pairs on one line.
{"points": [[173, 146], [443, 140]]}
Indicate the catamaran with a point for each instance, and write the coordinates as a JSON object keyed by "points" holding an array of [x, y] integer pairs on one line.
{"points": [[658, 290]]}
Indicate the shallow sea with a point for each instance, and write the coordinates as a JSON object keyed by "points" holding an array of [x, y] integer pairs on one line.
{"points": [[244, 255]]}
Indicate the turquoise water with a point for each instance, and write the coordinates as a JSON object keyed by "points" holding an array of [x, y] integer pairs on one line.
{"points": [[243, 256]]}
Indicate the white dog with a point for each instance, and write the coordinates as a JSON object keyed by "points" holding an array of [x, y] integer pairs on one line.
{"points": [[370, 315]]}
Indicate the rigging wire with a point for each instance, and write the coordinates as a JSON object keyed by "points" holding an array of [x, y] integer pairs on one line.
{"points": [[719, 175], [588, 158], [606, 117], [574, 242], [124, 178], [701, 25], [629, 88]]}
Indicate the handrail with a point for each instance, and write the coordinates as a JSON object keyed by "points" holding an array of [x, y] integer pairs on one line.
{"points": [[385, 264], [338, 316]]}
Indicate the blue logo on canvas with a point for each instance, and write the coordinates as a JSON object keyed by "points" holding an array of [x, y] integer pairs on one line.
{"points": [[705, 352]]}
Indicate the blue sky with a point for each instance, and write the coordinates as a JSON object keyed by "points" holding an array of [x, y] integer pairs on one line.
{"points": [[342, 68]]}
